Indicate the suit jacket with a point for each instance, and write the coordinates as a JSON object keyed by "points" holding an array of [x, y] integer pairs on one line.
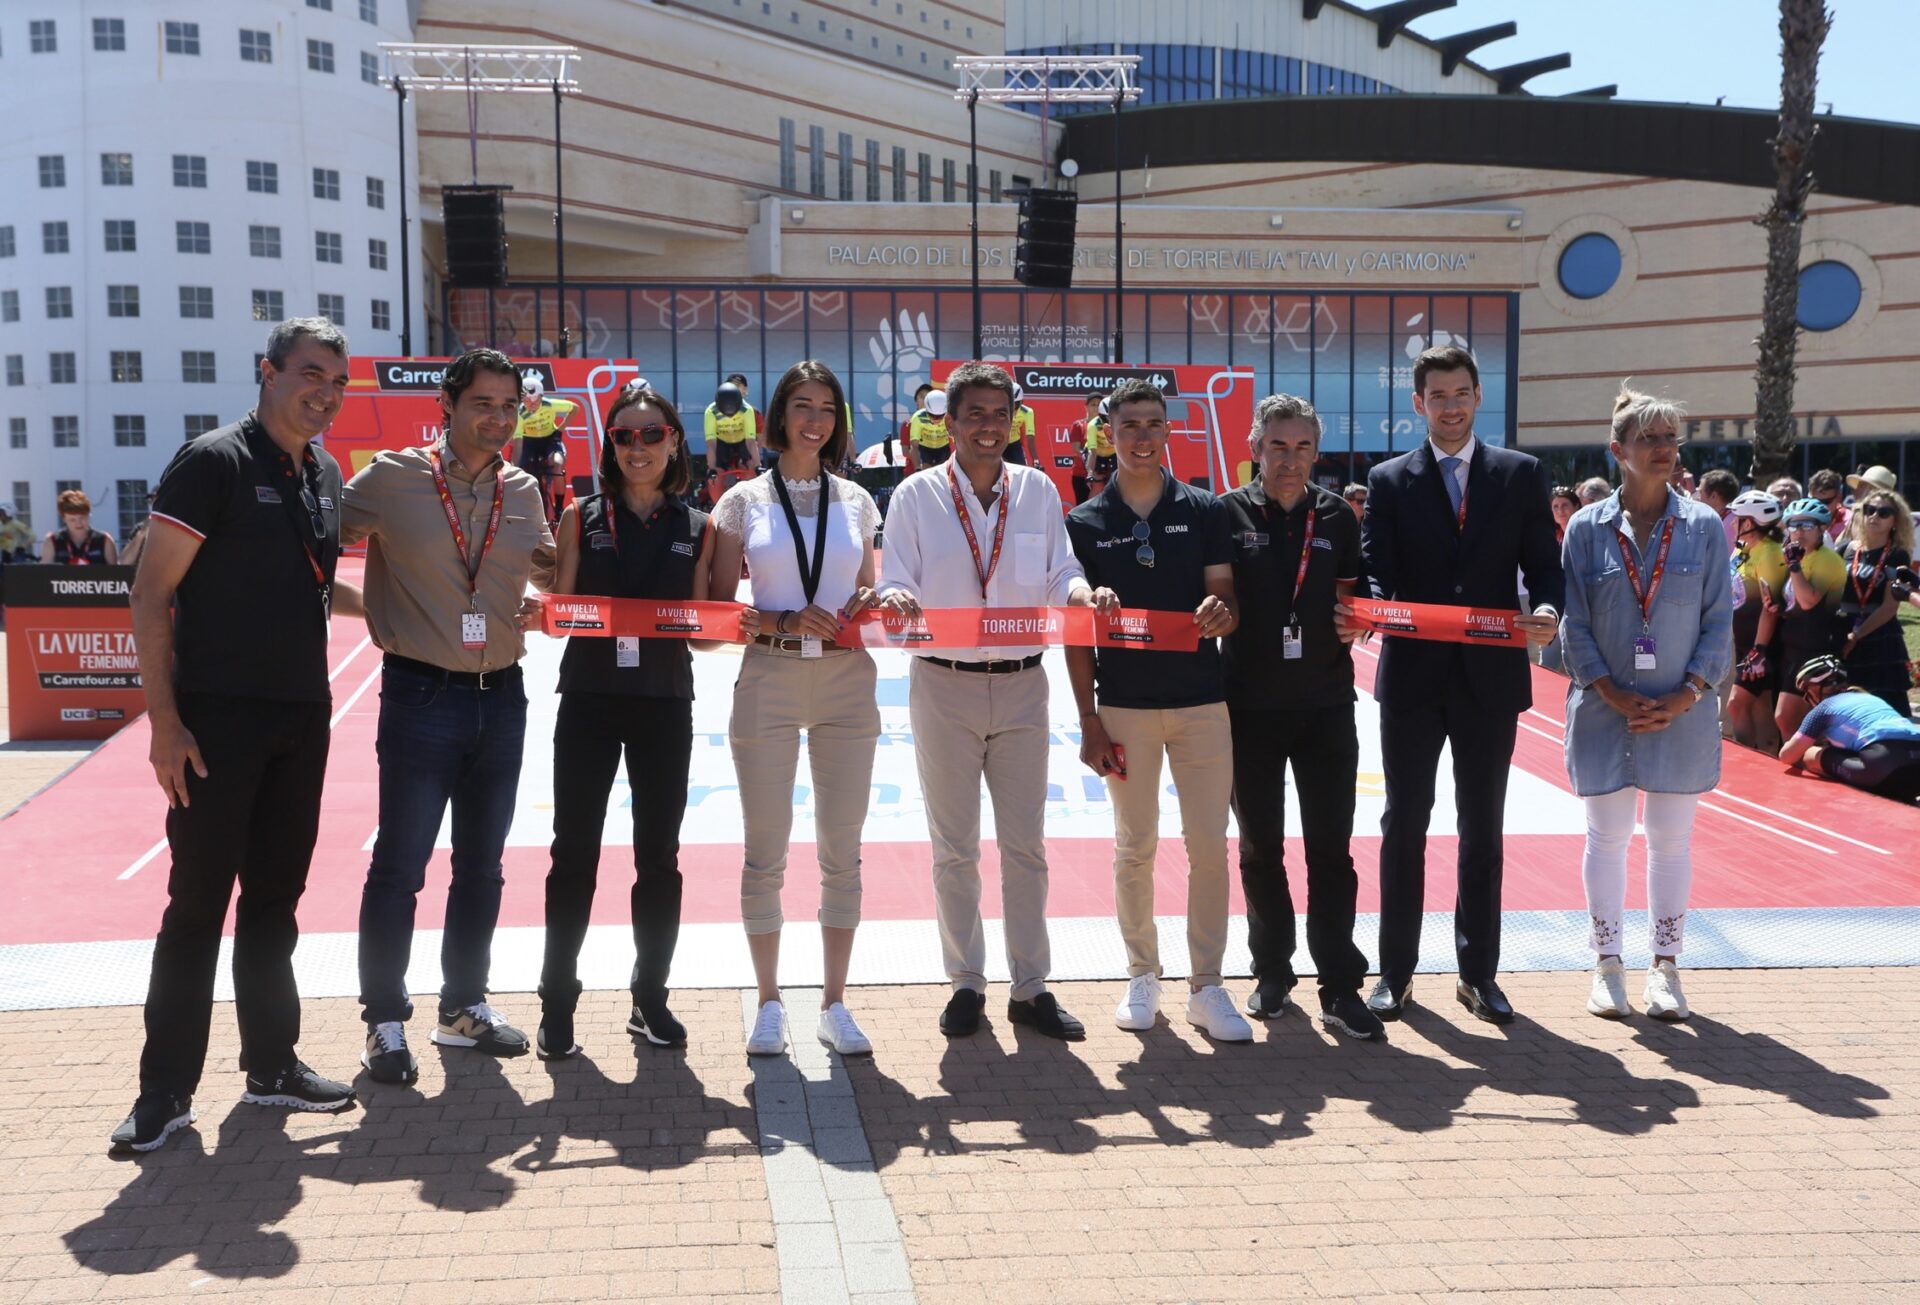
{"points": [[1416, 553]]}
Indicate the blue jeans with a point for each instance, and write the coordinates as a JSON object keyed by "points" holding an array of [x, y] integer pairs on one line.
{"points": [[438, 743]]}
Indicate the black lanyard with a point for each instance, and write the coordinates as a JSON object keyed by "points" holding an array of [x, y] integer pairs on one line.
{"points": [[809, 571]]}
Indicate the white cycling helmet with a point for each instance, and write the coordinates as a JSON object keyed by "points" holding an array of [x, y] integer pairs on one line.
{"points": [[937, 403], [1758, 505], [531, 386], [1018, 394]]}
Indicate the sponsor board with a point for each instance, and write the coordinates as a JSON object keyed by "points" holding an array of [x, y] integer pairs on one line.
{"points": [[72, 669]]}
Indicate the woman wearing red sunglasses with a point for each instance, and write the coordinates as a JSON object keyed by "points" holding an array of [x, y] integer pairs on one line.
{"points": [[1875, 652], [636, 538]]}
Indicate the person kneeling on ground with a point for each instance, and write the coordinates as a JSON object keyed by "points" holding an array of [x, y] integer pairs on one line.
{"points": [[1852, 736]]}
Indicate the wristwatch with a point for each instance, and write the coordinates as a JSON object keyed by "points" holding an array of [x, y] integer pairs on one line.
{"points": [[1695, 689]]}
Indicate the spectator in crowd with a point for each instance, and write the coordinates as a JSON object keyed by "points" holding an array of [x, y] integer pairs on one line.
{"points": [[1872, 478], [1875, 651], [1809, 604], [1826, 485], [1786, 489], [77, 543], [807, 537], [1149, 540], [1565, 501], [1355, 495], [1759, 576], [625, 695], [1648, 633], [1080, 434], [1853, 737], [16, 538], [1594, 489], [1718, 488], [1681, 479]]}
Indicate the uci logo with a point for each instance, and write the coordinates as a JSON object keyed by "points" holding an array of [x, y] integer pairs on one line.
{"points": [[79, 713]]}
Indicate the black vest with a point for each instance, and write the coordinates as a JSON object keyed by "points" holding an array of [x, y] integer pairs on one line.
{"points": [[94, 553], [654, 558]]}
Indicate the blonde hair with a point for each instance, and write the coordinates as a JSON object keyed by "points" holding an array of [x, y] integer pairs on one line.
{"points": [[1902, 534], [1633, 412]]}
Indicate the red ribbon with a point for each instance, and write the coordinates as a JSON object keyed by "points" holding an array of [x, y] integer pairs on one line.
{"points": [[562, 615], [1437, 621]]}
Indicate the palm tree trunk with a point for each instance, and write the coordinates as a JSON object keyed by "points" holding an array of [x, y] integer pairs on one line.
{"points": [[1803, 29]]}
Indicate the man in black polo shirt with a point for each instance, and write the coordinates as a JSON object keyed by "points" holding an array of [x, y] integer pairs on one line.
{"points": [[1147, 540], [1289, 676], [230, 610]]}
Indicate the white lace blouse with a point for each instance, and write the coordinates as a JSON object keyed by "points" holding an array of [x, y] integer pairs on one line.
{"points": [[750, 512]]}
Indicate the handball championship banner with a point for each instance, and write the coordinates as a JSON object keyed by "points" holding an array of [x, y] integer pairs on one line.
{"points": [[72, 672], [1209, 411], [394, 403], [564, 615]]}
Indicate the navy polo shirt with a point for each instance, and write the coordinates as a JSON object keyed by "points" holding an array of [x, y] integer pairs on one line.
{"points": [[1189, 531], [1266, 562]]}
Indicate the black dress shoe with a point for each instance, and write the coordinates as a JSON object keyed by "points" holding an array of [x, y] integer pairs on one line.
{"points": [[1043, 1015], [1387, 1002], [961, 1018], [1486, 1001]]}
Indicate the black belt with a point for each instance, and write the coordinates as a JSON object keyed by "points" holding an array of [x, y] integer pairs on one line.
{"points": [[465, 679], [998, 666]]}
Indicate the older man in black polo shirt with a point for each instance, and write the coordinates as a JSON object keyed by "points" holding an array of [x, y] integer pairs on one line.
{"points": [[1289, 676], [1147, 540], [230, 612]]}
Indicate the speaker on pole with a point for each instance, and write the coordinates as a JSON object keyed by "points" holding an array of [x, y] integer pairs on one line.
{"points": [[1043, 258], [476, 228]]}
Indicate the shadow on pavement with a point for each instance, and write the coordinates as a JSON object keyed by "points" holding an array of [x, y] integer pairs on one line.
{"points": [[1708, 1049]]}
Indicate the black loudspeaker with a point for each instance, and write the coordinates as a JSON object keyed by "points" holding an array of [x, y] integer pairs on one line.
{"points": [[1043, 258], [476, 227]]}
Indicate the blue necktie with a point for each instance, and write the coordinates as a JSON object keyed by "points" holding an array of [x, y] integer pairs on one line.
{"points": [[1453, 486]]}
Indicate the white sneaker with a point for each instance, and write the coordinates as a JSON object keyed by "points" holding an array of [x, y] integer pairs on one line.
{"points": [[769, 1036], [838, 1030], [1664, 999], [1211, 1010], [1608, 999], [1141, 1006]]}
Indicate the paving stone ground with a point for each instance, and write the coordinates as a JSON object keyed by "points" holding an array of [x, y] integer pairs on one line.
{"points": [[1767, 1151]]}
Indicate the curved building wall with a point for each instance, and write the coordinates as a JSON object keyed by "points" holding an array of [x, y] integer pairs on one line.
{"points": [[148, 97]]}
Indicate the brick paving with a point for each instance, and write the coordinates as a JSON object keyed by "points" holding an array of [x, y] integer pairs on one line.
{"points": [[1768, 1151]]}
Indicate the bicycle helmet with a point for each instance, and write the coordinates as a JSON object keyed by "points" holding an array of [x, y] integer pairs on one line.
{"points": [[1019, 395], [727, 399], [1820, 670], [1756, 505], [937, 404], [1808, 509], [531, 385]]}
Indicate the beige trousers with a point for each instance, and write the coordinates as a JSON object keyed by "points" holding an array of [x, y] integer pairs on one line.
{"points": [[831, 697], [1198, 742], [965, 726]]}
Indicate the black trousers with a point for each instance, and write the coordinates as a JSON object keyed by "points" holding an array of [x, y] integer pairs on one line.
{"points": [[1410, 742], [1324, 748], [252, 820], [1890, 769], [657, 737]]}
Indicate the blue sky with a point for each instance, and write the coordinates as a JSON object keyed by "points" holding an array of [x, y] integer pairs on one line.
{"points": [[1698, 50]]}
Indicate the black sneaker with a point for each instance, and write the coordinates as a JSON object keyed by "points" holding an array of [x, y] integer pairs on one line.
{"points": [[553, 1040], [481, 1027], [961, 1018], [1270, 999], [298, 1088], [1043, 1015], [654, 1022], [156, 1117], [387, 1057], [1347, 1014]]}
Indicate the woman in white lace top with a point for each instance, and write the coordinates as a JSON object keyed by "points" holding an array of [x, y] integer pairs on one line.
{"points": [[807, 539]]}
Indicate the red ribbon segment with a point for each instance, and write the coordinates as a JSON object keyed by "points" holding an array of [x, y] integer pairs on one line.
{"points": [[1438, 621]]}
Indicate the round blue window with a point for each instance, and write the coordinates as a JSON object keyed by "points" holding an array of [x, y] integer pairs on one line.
{"points": [[1829, 295], [1589, 266]]}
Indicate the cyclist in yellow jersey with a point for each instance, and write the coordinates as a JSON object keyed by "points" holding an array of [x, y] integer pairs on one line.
{"points": [[1020, 446], [541, 432], [732, 430], [927, 432], [1102, 462], [1809, 602]]}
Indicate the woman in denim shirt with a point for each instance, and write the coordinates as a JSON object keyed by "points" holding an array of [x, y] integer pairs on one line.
{"points": [[1644, 659]]}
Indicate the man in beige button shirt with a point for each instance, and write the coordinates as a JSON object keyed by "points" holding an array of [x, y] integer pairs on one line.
{"points": [[454, 535]]}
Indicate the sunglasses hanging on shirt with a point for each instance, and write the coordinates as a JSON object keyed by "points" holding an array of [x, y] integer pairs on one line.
{"points": [[1141, 533], [650, 434]]}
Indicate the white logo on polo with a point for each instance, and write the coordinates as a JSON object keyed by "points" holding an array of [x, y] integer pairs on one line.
{"points": [[1323, 543], [684, 548], [1173, 530]]}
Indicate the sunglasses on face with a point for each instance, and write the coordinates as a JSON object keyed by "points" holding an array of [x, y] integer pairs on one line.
{"points": [[1878, 510], [652, 433]]}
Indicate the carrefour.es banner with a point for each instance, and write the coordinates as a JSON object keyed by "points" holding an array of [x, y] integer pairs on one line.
{"points": [[72, 671]]}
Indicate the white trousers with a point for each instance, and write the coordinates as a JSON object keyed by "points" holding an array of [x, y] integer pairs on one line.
{"points": [[1668, 820]]}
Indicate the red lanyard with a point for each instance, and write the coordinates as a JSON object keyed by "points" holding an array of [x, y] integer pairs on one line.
{"points": [[1646, 597], [1863, 592], [459, 535], [1300, 572], [966, 523]]}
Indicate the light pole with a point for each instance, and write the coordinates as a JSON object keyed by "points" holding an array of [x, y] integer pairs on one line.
{"points": [[973, 193]]}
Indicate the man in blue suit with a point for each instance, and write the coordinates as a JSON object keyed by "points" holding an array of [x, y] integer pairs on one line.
{"points": [[1454, 521]]}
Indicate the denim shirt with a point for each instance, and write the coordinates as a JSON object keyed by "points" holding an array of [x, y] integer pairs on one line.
{"points": [[1692, 628]]}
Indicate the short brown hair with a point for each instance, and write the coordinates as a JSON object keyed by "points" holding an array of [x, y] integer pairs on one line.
{"points": [[812, 369], [1720, 481], [464, 370], [1445, 358], [679, 473], [73, 500], [1134, 390], [980, 376]]}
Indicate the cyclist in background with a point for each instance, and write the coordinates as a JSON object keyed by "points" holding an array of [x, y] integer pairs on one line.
{"points": [[927, 432], [542, 432], [1021, 450], [732, 431], [1102, 462], [1810, 603]]}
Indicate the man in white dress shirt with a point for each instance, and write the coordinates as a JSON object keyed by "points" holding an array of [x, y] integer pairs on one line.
{"points": [[978, 531]]}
